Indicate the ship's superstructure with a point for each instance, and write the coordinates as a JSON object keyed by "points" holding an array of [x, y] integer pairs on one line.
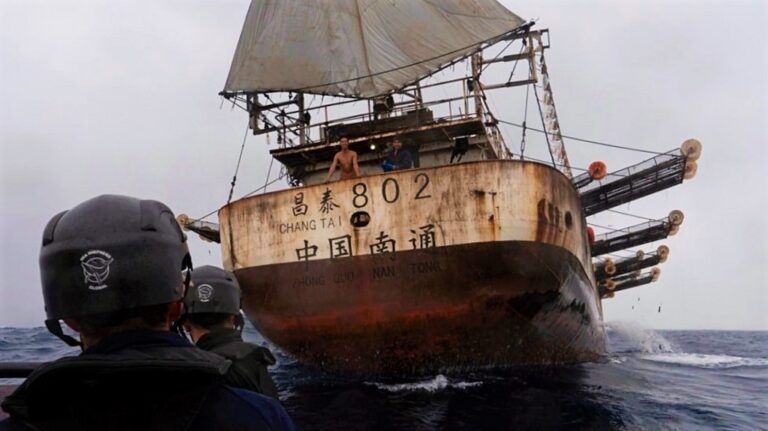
{"points": [[474, 256]]}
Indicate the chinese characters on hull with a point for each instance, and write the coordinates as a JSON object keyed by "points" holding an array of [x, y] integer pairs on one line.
{"points": [[326, 203], [341, 246], [425, 238], [422, 237], [307, 252], [383, 244], [299, 207]]}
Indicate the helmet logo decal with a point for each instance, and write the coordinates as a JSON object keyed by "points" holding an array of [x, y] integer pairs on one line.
{"points": [[204, 292], [95, 265]]}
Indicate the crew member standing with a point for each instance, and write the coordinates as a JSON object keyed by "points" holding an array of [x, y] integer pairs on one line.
{"points": [[397, 159], [213, 320], [346, 159]]}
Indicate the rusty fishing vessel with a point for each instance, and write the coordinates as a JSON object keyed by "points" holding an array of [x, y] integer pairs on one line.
{"points": [[475, 255]]}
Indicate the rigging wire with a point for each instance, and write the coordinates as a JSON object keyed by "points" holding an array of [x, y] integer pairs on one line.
{"points": [[550, 164], [264, 186], [269, 171], [588, 141], [632, 215], [633, 254], [514, 66], [609, 228], [205, 216], [244, 196], [546, 135], [499, 55], [237, 168], [525, 120]]}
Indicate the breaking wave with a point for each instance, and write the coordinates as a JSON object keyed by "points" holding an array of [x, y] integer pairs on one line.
{"points": [[705, 361], [638, 339], [438, 383]]}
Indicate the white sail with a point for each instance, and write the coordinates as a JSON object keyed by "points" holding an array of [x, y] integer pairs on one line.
{"points": [[359, 48]]}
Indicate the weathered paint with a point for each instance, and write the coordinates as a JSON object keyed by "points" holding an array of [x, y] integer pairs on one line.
{"points": [[475, 243], [465, 203]]}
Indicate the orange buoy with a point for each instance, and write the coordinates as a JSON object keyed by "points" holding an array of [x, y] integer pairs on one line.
{"points": [[597, 170]]}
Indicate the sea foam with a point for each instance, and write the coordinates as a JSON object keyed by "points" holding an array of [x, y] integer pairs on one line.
{"points": [[438, 383], [705, 361]]}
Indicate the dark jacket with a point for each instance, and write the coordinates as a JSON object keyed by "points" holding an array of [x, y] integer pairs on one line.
{"points": [[142, 380], [249, 361], [401, 160]]}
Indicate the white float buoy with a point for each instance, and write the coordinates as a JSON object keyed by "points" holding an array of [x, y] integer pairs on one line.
{"points": [[676, 217], [674, 230], [655, 273], [691, 149], [690, 170], [182, 220], [663, 253]]}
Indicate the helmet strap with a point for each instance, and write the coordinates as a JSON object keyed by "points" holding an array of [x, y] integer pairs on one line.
{"points": [[178, 327], [239, 322], [54, 327]]}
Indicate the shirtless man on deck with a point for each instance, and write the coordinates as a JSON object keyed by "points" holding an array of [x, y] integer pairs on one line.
{"points": [[347, 159]]}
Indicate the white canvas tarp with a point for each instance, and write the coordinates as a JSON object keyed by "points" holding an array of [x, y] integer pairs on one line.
{"points": [[359, 48]]}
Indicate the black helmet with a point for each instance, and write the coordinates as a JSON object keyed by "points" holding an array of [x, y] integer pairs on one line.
{"points": [[111, 253], [213, 290]]}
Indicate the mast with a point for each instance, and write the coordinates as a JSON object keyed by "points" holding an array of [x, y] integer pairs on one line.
{"points": [[543, 91], [477, 65]]}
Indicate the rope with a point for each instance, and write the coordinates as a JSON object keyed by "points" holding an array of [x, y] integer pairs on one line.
{"points": [[237, 168], [588, 141]]}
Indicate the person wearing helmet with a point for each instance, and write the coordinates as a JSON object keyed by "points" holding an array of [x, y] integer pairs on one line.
{"points": [[111, 269], [213, 320]]}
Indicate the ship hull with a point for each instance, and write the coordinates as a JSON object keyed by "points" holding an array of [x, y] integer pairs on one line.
{"points": [[468, 306], [463, 266]]}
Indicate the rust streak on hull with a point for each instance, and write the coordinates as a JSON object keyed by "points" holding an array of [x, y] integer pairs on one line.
{"points": [[460, 266], [462, 306]]}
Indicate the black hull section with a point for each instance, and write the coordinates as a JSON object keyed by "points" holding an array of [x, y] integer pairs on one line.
{"points": [[423, 311]]}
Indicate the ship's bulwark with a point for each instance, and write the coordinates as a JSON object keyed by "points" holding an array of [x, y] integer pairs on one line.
{"points": [[461, 266], [464, 306]]}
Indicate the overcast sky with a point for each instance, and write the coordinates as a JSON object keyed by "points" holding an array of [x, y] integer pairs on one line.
{"points": [[121, 97]]}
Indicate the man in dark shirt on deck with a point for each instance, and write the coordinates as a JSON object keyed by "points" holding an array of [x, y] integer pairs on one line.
{"points": [[397, 159]]}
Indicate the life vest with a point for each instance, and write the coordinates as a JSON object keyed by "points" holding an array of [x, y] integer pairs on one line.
{"points": [[249, 361], [147, 380]]}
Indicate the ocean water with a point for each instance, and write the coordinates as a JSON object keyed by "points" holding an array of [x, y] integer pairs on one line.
{"points": [[676, 380]]}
